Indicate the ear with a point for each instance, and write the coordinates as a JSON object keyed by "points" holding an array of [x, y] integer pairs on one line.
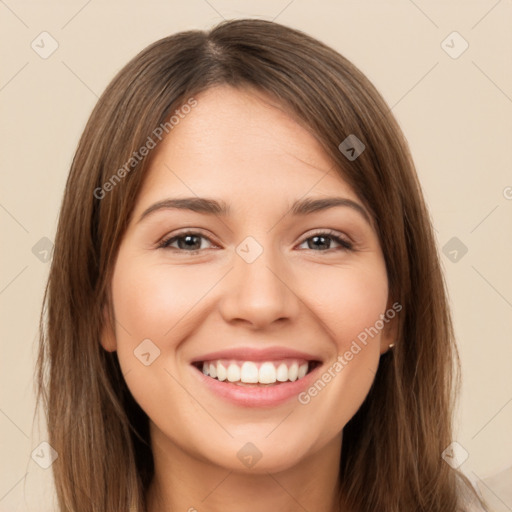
{"points": [[389, 332], [108, 336]]}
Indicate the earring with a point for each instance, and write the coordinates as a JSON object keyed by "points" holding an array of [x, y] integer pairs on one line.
{"points": [[391, 345]]}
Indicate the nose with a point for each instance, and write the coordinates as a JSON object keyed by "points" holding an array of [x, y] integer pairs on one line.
{"points": [[259, 293]]}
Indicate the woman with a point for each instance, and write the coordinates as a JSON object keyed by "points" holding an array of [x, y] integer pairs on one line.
{"points": [[299, 356]]}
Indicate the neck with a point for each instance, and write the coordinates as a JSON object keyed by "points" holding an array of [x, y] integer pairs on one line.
{"points": [[183, 482]]}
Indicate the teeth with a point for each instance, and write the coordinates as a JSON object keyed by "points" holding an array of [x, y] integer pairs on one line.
{"points": [[267, 373], [282, 373], [249, 372], [233, 374], [222, 373], [293, 372]]}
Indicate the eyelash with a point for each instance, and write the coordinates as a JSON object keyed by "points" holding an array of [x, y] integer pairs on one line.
{"points": [[333, 235]]}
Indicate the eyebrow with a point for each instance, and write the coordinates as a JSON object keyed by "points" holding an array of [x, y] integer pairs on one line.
{"points": [[213, 207]]}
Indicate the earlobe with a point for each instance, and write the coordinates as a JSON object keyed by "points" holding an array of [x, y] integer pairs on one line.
{"points": [[107, 338], [385, 347], [389, 335]]}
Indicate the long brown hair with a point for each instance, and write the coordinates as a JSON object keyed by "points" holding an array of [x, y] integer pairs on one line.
{"points": [[391, 452]]}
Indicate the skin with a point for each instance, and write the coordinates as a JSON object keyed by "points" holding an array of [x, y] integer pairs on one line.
{"points": [[241, 147]]}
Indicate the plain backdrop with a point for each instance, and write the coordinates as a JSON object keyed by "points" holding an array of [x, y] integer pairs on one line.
{"points": [[451, 93]]}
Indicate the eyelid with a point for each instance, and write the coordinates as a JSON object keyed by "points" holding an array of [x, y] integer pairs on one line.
{"points": [[327, 231]]}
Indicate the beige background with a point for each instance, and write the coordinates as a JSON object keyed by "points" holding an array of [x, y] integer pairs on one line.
{"points": [[455, 112]]}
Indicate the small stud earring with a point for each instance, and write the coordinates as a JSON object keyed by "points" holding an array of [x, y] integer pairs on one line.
{"points": [[391, 345]]}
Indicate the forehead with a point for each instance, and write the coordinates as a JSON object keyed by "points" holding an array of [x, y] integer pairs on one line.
{"points": [[241, 143]]}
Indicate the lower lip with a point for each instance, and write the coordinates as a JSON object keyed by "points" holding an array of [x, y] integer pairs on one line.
{"points": [[256, 396]]}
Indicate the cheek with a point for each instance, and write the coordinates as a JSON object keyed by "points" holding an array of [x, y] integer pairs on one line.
{"points": [[347, 301], [162, 303], [150, 300], [154, 302]]}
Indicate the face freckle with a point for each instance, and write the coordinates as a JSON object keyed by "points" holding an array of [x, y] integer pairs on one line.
{"points": [[255, 278]]}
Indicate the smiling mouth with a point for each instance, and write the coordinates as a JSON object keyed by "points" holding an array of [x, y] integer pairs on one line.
{"points": [[256, 373]]}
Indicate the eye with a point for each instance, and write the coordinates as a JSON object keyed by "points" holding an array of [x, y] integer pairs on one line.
{"points": [[188, 241], [321, 239]]}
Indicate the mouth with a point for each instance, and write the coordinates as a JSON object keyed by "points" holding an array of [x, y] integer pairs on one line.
{"points": [[247, 373], [252, 377]]}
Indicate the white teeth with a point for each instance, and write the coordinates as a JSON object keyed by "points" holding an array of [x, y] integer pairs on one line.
{"points": [[282, 373], [249, 373], [233, 373], [293, 372], [221, 372], [267, 374]]}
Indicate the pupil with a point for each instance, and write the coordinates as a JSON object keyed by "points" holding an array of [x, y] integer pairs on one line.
{"points": [[317, 237], [187, 239]]}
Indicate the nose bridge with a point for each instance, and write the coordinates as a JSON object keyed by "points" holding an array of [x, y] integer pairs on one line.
{"points": [[258, 289]]}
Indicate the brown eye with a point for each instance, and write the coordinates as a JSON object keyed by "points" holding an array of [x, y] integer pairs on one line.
{"points": [[189, 241]]}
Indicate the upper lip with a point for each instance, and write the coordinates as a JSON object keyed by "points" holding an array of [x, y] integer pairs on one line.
{"points": [[254, 354]]}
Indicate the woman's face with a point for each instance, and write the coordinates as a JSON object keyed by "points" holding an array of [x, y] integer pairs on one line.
{"points": [[261, 292]]}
